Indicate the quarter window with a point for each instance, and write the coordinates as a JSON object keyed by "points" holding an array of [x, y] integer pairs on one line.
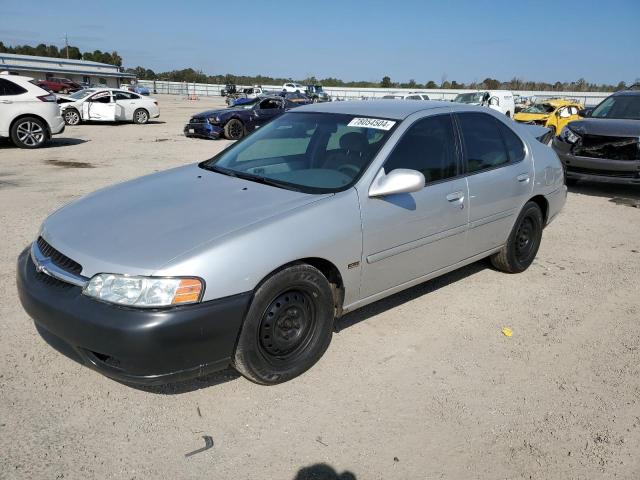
{"points": [[515, 147], [484, 146], [10, 88], [428, 146]]}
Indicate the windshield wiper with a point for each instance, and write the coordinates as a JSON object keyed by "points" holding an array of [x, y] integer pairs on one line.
{"points": [[251, 177]]}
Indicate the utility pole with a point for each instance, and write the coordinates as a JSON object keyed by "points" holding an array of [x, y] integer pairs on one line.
{"points": [[66, 44]]}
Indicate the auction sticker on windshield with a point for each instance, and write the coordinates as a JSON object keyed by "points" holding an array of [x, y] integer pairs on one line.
{"points": [[377, 123]]}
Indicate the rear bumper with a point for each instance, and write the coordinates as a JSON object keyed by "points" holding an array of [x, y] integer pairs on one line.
{"points": [[597, 169], [132, 345], [203, 130], [57, 126]]}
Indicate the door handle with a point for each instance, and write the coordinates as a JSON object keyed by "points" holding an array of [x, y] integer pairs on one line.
{"points": [[456, 197], [523, 178], [6, 101]]}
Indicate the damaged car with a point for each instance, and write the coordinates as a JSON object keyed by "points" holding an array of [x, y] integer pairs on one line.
{"points": [[605, 145], [235, 122], [107, 105], [554, 114]]}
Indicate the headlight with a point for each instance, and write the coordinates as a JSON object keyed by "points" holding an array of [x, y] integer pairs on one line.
{"points": [[144, 292], [214, 120], [569, 135]]}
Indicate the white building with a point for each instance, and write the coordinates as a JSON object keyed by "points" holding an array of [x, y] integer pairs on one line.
{"points": [[41, 68]]}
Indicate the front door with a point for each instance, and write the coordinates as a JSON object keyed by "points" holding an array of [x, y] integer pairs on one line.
{"points": [[99, 107], [266, 110], [499, 175], [407, 236]]}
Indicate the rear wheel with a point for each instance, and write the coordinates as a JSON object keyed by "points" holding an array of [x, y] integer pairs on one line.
{"points": [[29, 132], [288, 326], [71, 117], [141, 116], [523, 243], [234, 129]]}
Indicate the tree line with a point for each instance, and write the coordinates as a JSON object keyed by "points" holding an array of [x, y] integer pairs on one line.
{"points": [[190, 75], [74, 53]]}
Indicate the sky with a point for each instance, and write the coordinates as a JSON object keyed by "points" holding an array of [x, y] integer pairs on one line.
{"points": [[352, 40]]}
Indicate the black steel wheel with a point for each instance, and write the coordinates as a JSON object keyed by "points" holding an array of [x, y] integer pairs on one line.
{"points": [[234, 129], [523, 243], [288, 326]]}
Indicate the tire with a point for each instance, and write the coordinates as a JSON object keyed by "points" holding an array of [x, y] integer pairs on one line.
{"points": [[140, 116], [71, 117], [29, 132], [523, 243], [288, 326], [508, 114], [234, 129], [314, 100]]}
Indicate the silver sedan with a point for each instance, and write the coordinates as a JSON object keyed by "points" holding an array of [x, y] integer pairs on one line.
{"points": [[248, 258]]}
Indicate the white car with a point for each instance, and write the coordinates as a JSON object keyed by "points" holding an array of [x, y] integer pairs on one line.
{"points": [[107, 105], [293, 87], [499, 100], [406, 96], [29, 115]]}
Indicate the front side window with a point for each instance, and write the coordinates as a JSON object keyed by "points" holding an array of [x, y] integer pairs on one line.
{"points": [[483, 144], [428, 146], [309, 152], [102, 97]]}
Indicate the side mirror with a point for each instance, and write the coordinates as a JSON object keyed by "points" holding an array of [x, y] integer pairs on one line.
{"points": [[585, 112], [400, 180]]}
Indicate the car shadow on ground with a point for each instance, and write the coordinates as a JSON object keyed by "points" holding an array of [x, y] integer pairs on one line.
{"points": [[381, 306], [606, 190], [53, 143], [118, 124], [322, 471]]}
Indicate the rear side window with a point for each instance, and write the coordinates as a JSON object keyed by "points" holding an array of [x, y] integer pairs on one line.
{"points": [[484, 146], [428, 146], [10, 88], [515, 147]]}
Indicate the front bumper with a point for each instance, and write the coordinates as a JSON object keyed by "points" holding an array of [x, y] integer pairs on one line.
{"points": [[203, 130], [131, 345], [596, 169]]}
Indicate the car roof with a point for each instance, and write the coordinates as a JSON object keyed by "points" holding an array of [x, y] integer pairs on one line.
{"points": [[396, 109], [558, 102], [627, 93]]}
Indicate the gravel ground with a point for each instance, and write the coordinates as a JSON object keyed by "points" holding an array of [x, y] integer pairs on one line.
{"points": [[420, 385]]}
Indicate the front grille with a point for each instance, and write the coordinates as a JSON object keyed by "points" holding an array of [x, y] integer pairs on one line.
{"points": [[58, 258], [611, 148], [49, 280], [198, 120], [604, 173]]}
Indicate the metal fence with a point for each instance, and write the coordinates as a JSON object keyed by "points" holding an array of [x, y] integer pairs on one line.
{"points": [[345, 93]]}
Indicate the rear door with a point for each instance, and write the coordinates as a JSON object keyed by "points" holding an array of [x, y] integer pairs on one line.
{"points": [[409, 235], [13, 100], [500, 178], [99, 107], [126, 104]]}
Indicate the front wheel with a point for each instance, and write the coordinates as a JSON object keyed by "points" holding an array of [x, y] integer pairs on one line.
{"points": [[288, 326], [141, 116], [523, 243], [234, 129], [71, 117]]}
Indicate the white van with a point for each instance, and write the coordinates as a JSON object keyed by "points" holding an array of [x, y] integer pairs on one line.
{"points": [[500, 100]]}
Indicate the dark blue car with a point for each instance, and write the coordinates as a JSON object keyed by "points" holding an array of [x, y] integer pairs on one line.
{"points": [[235, 122]]}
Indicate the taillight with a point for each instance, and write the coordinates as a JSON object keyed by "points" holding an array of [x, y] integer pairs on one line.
{"points": [[47, 98]]}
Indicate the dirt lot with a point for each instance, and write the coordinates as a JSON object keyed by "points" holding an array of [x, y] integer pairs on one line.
{"points": [[420, 385]]}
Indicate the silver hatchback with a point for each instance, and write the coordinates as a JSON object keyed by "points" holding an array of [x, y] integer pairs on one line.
{"points": [[248, 258]]}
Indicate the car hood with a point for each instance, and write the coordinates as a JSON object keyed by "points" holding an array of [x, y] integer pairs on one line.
{"points": [[220, 111], [606, 127], [138, 226], [530, 117]]}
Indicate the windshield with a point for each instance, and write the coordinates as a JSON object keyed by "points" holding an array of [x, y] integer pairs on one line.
{"points": [[309, 152], [539, 108], [475, 97], [81, 93], [621, 107]]}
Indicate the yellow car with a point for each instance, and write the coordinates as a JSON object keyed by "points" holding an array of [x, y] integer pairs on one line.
{"points": [[554, 114]]}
